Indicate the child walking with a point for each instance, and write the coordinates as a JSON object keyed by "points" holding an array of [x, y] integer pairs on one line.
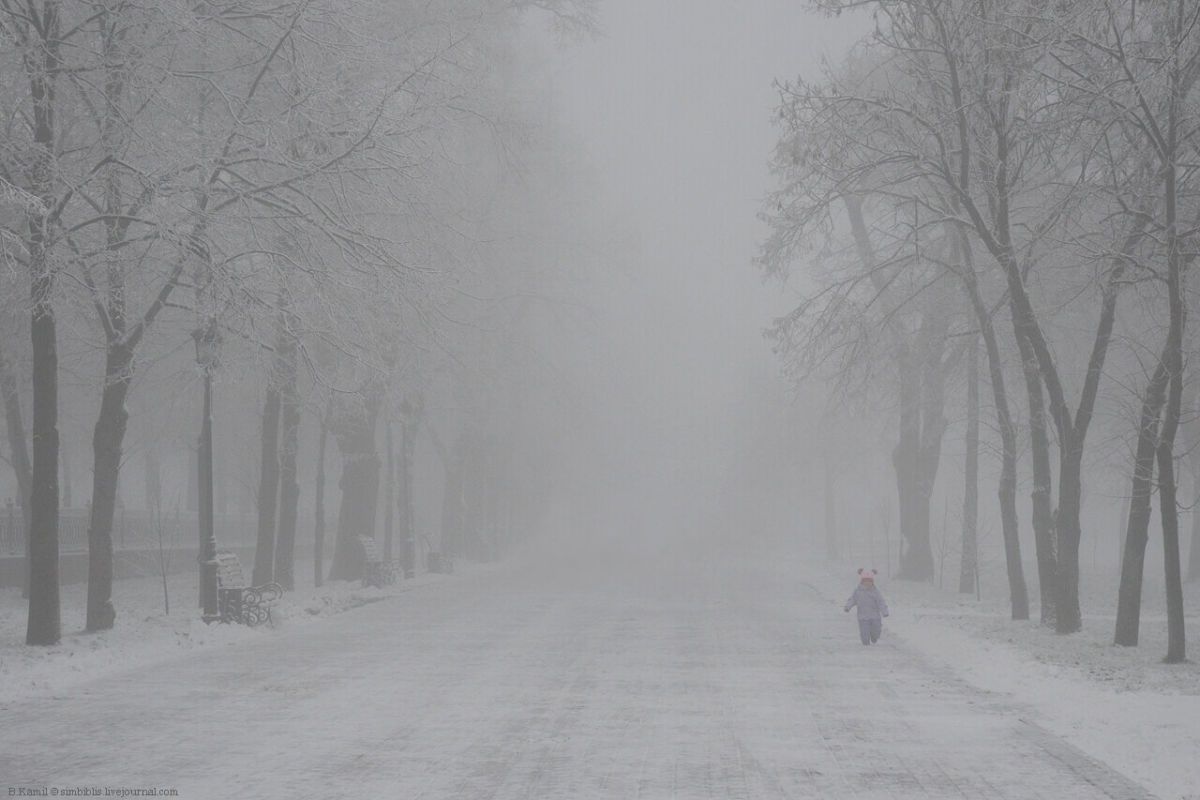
{"points": [[872, 608]]}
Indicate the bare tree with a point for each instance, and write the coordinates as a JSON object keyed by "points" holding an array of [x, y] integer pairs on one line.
{"points": [[35, 29], [960, 130], [969, 566]]}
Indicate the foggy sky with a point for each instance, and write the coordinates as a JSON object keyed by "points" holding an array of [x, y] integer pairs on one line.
{"points": [[672, 107]]}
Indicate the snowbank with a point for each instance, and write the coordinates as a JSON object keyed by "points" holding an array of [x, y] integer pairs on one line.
{"points": [[1122, 706], [145, 635]]}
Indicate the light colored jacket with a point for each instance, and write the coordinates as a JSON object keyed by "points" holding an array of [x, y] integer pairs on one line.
{"points": [[870, 602]]}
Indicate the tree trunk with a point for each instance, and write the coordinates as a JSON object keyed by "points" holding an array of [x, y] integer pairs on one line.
{"points": [[18, 449], [289, 486], [1191, 432], [289, 505], [932, 430], [1193, 571], [407, 522], [319, 505], [1172, 568], [356, 517], [44, 625], [1071, 434], [915, 461], [1169, 509], [108, 436], [44, 621], [1034, 348], [1042, 495], [207, 538], [1007, 488], [916, 561], [913, 455], [970, 564], [918, 453], [1163, 396], [107, 443], [355, 433], [1133, 558], [1006, 491], [268, 487], [1068, 617], [389, 511], [1121, 521], [1035, 352], [916, 557]]}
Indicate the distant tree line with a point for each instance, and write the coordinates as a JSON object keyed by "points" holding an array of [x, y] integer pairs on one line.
{"points": [[1007, 192]]}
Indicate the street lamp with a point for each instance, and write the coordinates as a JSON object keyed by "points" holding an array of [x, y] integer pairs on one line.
{"points": [[208, 346]]}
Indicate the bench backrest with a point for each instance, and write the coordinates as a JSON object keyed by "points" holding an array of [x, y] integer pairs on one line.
{"points": [[229, 571]]}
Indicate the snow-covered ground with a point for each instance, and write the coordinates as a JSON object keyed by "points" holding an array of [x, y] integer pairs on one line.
{"points": [[146, 635], [1121, 705], [709, 671]]}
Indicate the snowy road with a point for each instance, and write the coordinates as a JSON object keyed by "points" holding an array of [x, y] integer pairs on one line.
{"points": [[510, 684]]}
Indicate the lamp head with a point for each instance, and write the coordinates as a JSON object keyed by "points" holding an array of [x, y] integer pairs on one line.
{"points": [[208, 345]]}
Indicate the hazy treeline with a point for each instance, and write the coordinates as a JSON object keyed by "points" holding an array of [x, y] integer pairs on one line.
{"points": [[996, 205], [346, 190]]}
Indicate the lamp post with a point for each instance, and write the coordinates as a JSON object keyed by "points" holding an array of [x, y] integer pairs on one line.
{"points": [[208, 345]]}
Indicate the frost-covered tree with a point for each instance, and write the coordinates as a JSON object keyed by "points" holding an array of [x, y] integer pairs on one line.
{"points": [[249, 163], [974, 116]]}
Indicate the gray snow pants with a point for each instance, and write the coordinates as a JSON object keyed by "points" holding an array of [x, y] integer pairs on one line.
{"points": [[869, 630]]}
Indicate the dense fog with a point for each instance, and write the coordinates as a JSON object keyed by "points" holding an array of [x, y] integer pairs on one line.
{"points": [[599, 398]]}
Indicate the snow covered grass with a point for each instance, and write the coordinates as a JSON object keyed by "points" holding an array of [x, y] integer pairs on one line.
{"points": [[1088, 654], [1121, 705], [144, 635]]}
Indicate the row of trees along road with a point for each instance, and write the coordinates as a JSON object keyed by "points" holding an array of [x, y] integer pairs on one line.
{"points": [[1019, 174], [314, 175]]}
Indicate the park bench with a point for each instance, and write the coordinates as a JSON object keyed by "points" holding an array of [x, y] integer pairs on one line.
{"points": [[436, 561], [439, 562], [237, 602], [376, 571]]}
